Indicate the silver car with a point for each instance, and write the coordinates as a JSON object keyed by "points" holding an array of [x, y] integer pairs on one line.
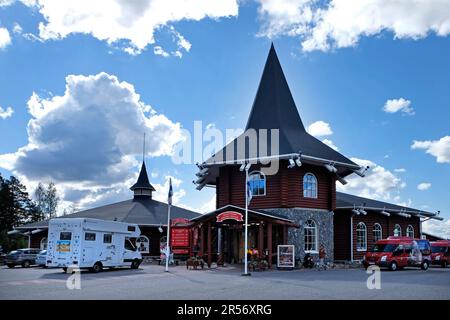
{"points": [[23, 257], [41, 258]]}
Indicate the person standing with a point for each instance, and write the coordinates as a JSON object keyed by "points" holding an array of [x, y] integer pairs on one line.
{"points": [[322, 255]]}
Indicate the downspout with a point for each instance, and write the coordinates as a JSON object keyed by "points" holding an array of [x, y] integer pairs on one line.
{"points": [[351, 237]]}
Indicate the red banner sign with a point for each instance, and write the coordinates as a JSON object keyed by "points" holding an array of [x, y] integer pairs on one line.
{"points": [[229, 215]]}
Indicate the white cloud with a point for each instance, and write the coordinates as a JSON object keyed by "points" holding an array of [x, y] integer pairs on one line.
{"points": [[134, 22], [208, 206], [17, 28], [324, 25], [423, 186], [319, 129], [400, 170], [4, 3], [330, 143], [398, 105], [159, 51], [437, 228], [162, 190], [379, 183], [438, 148], [6, 113], [87, 139], [5, 39]]}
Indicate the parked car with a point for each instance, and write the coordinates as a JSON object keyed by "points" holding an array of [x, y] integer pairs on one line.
{"points": [[440, 253], [23, 257], [399, 252], [41, 258]]}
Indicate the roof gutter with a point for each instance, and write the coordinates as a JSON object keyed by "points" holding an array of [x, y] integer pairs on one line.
{"points": [[284, 156], [415, 213]]}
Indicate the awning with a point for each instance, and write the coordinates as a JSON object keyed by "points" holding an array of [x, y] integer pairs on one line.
{"points": [[237, 215]]}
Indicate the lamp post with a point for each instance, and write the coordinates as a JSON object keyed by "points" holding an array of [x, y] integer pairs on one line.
{"points": [[247, 200]]}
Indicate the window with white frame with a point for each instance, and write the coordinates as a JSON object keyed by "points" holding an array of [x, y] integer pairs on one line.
{"points": [[310, 230], [257, 183], [397, 230], [377, 232], [361, 237], [410, 231], [309, 186], [43, 244], [143, 244]]}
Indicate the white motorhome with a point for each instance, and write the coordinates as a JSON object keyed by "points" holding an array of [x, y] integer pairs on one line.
{"points": [[91, 243]]}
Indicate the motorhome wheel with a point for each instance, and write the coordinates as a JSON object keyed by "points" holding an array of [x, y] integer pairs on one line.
{"points": [[97, 267], [135, 264]]}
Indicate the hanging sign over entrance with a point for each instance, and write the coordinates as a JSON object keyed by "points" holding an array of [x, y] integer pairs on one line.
{"points": [[229, 215]]}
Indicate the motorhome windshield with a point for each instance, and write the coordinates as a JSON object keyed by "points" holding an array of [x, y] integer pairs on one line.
{"points": [[438, 249], [129, 245], [384, 247]]}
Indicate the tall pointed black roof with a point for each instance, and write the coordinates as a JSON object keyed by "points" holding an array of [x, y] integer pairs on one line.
{"points": [[274, 108], [142, 181]]}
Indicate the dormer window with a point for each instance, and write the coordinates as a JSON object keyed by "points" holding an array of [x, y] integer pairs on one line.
{"points": [[257, 182], [309, 186]]}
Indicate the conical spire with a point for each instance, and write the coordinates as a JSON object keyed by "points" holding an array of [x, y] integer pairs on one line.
{"points": [[142, 187], [274, 107]]}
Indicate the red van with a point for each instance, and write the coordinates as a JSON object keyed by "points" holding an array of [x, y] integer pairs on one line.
{"points": [[399, 252], [440, 253]]}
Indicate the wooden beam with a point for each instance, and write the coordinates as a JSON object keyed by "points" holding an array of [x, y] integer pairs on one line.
{"points": [[269, 242], [201, 233], [261, 239], [209, 244], [285, 235]]}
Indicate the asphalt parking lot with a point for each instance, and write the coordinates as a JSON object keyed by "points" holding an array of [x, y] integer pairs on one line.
{"points": [[151, 282]]}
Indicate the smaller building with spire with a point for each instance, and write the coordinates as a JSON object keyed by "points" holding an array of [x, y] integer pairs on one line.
{"points": [[142, 209]]}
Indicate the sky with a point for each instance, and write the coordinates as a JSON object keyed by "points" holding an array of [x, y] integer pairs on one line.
{"points": [[81, 81]]}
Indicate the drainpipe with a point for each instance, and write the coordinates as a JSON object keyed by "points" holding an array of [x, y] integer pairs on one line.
{"points": [[351, 237]]}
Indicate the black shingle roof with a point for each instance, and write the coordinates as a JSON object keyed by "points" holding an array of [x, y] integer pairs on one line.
{"points": [[344, 201], [274, 108], [142, 211], [142, 181]]}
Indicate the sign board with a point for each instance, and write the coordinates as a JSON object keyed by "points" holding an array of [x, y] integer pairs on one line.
{"points": [[179, 237], [179, 222], [286, 256], [229, 215], [63, 246]]}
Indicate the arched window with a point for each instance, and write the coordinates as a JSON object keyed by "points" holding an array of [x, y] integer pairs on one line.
{"points": [[43, 244], [410, 231], [309, 186], [397, 230], [310, 230], [377, 232], [257, 183], [143, 244], [361, 237]]}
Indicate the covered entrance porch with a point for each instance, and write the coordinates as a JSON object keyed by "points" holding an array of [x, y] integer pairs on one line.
{"points": [[219, 235]]}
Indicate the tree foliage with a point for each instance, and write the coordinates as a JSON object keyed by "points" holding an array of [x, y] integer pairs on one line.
{"points": [[16, 208]]}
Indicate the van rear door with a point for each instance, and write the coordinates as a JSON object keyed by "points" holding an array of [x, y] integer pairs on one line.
{"points": [[63, 248]]}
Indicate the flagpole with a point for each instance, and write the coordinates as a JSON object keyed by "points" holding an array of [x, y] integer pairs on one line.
{"points": [[246, 223], [168, 228]]}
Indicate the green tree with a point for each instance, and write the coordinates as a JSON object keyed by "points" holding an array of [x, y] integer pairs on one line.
{"points": [[47, 199], [16, 208]]}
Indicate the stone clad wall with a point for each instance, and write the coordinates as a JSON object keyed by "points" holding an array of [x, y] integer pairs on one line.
{"points": [[324, 223]]}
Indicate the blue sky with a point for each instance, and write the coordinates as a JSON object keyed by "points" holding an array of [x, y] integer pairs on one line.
{"points": [[344, 81]]}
